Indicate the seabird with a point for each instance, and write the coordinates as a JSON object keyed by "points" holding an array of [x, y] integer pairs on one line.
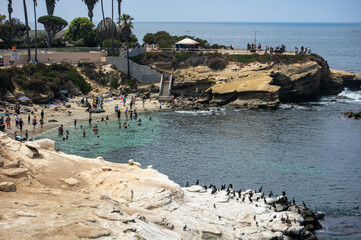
{"points": [[205, 187], [243, 198], [270, 194], [264, 199], [260, 190], [197, 182], [214, 205], [185, 227], [283, 193], [293, 201], [304, 204], [187, 185], [250, 199]]}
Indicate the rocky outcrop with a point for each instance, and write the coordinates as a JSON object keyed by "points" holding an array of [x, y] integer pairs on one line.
{"points": [[353, 115], [259, 85], [91, 198]]}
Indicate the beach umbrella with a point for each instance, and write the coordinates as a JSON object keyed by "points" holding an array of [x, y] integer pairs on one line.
{"points": [[23, 98], [63, 92]]}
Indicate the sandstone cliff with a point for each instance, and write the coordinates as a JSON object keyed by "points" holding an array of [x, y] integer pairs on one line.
{"points": [[50, 195], [264, 85]]}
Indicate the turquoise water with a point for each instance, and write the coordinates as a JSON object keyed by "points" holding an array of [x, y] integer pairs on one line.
{"points": [[311, 153]]}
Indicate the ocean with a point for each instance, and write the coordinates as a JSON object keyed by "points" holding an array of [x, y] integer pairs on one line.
{"points": [[338, 43], [312, 153]]}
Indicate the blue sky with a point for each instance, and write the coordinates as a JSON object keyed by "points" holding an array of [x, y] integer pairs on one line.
{"points": [[206, 10]]}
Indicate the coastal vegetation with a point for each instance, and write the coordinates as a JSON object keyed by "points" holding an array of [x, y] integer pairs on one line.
{"points": [[52, 26], [81, 32], [43, 78], [164, 40]]}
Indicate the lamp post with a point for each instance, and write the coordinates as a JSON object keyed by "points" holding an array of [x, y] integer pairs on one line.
{"points": [[255, 38]]}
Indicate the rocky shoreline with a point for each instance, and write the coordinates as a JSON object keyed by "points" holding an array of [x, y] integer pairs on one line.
{"points": [[49, 194], [261, 85]]}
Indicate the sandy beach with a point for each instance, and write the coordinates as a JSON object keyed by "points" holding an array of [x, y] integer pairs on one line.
{"points": [[78, 112]]}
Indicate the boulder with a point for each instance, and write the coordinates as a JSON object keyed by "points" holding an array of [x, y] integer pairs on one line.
{"points": [[7, 187], [46, 144], [12, 164], [71, 182], [14, 172]]}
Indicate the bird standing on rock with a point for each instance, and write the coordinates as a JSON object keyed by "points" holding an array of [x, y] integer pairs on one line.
{"points": [[197, 182], [260, 190], [185, 228], [270, 194], [187, 185], [283, 193], [304, 204]]}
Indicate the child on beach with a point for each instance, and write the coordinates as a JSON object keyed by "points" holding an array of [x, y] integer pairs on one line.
{"points": [[34, 121], [84, 133]]}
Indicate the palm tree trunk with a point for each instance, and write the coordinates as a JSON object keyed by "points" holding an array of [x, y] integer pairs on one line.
{"points": [[105, 27], [10, 10], [36, 33], [128, 57], [119, 12], [27, 30], [112, 29]]}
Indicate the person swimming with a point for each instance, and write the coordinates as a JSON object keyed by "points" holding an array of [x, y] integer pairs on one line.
{"points": [[139, 122], [95, 129], [125, 125]]}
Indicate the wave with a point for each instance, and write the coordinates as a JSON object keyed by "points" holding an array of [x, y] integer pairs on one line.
{"points": [[350, 95]]}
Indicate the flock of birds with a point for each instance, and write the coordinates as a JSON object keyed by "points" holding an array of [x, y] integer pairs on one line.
{"points": [[249, 195], [238, 194]]}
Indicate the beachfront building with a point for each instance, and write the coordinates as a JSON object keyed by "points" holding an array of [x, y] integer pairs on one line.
{"points": [[187, 44]]}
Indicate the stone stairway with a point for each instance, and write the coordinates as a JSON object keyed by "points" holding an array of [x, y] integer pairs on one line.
{"points": [[165, 91]]}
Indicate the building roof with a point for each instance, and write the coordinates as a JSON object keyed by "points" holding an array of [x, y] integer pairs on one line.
{"points": [[187, 41]]}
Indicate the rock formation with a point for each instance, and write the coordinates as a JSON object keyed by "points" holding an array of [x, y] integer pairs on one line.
{"points": [[264, 85], [52, 195]]}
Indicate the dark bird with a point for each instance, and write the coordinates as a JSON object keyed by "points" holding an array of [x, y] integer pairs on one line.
{"points": [[205, 187], [250, 199], [271, 220], [257, 199], [231, 186], [214, 205], [270, 194], [254, 217], [251, 193], [265, 201], [257, 224], [274, 216], [283, 193], [243, 198], [304, 204], [187, 185], [298, 211], [214, 190], [219, 217], [185, 227], [210, 186], [293, 201], [260, 190], [197, 182]]}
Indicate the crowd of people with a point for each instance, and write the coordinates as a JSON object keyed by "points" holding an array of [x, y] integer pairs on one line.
{"points": [[303, 50], [267, 49]]}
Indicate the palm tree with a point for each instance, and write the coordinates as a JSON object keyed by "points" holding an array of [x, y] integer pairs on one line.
{"points": [[90, 4], [126, 30], [10, 8], [105, 30], [118, 23], [50, 5], [27, 30], [115, 28], [36, 32]]}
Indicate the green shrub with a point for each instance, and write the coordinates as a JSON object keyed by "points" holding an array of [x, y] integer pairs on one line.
{"points": [[217, 64]]}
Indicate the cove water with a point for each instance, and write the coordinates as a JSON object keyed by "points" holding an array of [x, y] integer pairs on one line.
{"points": [[312, 153]]}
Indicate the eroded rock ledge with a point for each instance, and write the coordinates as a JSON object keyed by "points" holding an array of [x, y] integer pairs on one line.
{"points": [[60, 196], [261, 85]]}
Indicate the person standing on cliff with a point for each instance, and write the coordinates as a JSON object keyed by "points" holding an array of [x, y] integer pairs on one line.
{"points": [[34, 122], [21, 124], [42, 114], [196, 92]]}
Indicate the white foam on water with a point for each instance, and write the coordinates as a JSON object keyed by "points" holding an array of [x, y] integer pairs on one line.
{"points": [[350, 96]]}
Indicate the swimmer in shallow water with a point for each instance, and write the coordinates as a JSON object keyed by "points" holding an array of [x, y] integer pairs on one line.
{"points": [[125, 125], [95, 129], [139, 122]]}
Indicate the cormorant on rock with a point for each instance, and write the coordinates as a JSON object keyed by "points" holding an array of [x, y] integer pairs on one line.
{"points": [[298, 211], [214, 205], [264, 199], [270, 194], [214, 190], [257, 224], [219, 217], [283, 193], [197, 182], [293, 201], [250, 199], [230, 185], [260, 190], [257, 199], [251, 194], [304, 204], [254, 217], [185, 227], [187, 185], [210, 186], [243, 198], [205, 187]]}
